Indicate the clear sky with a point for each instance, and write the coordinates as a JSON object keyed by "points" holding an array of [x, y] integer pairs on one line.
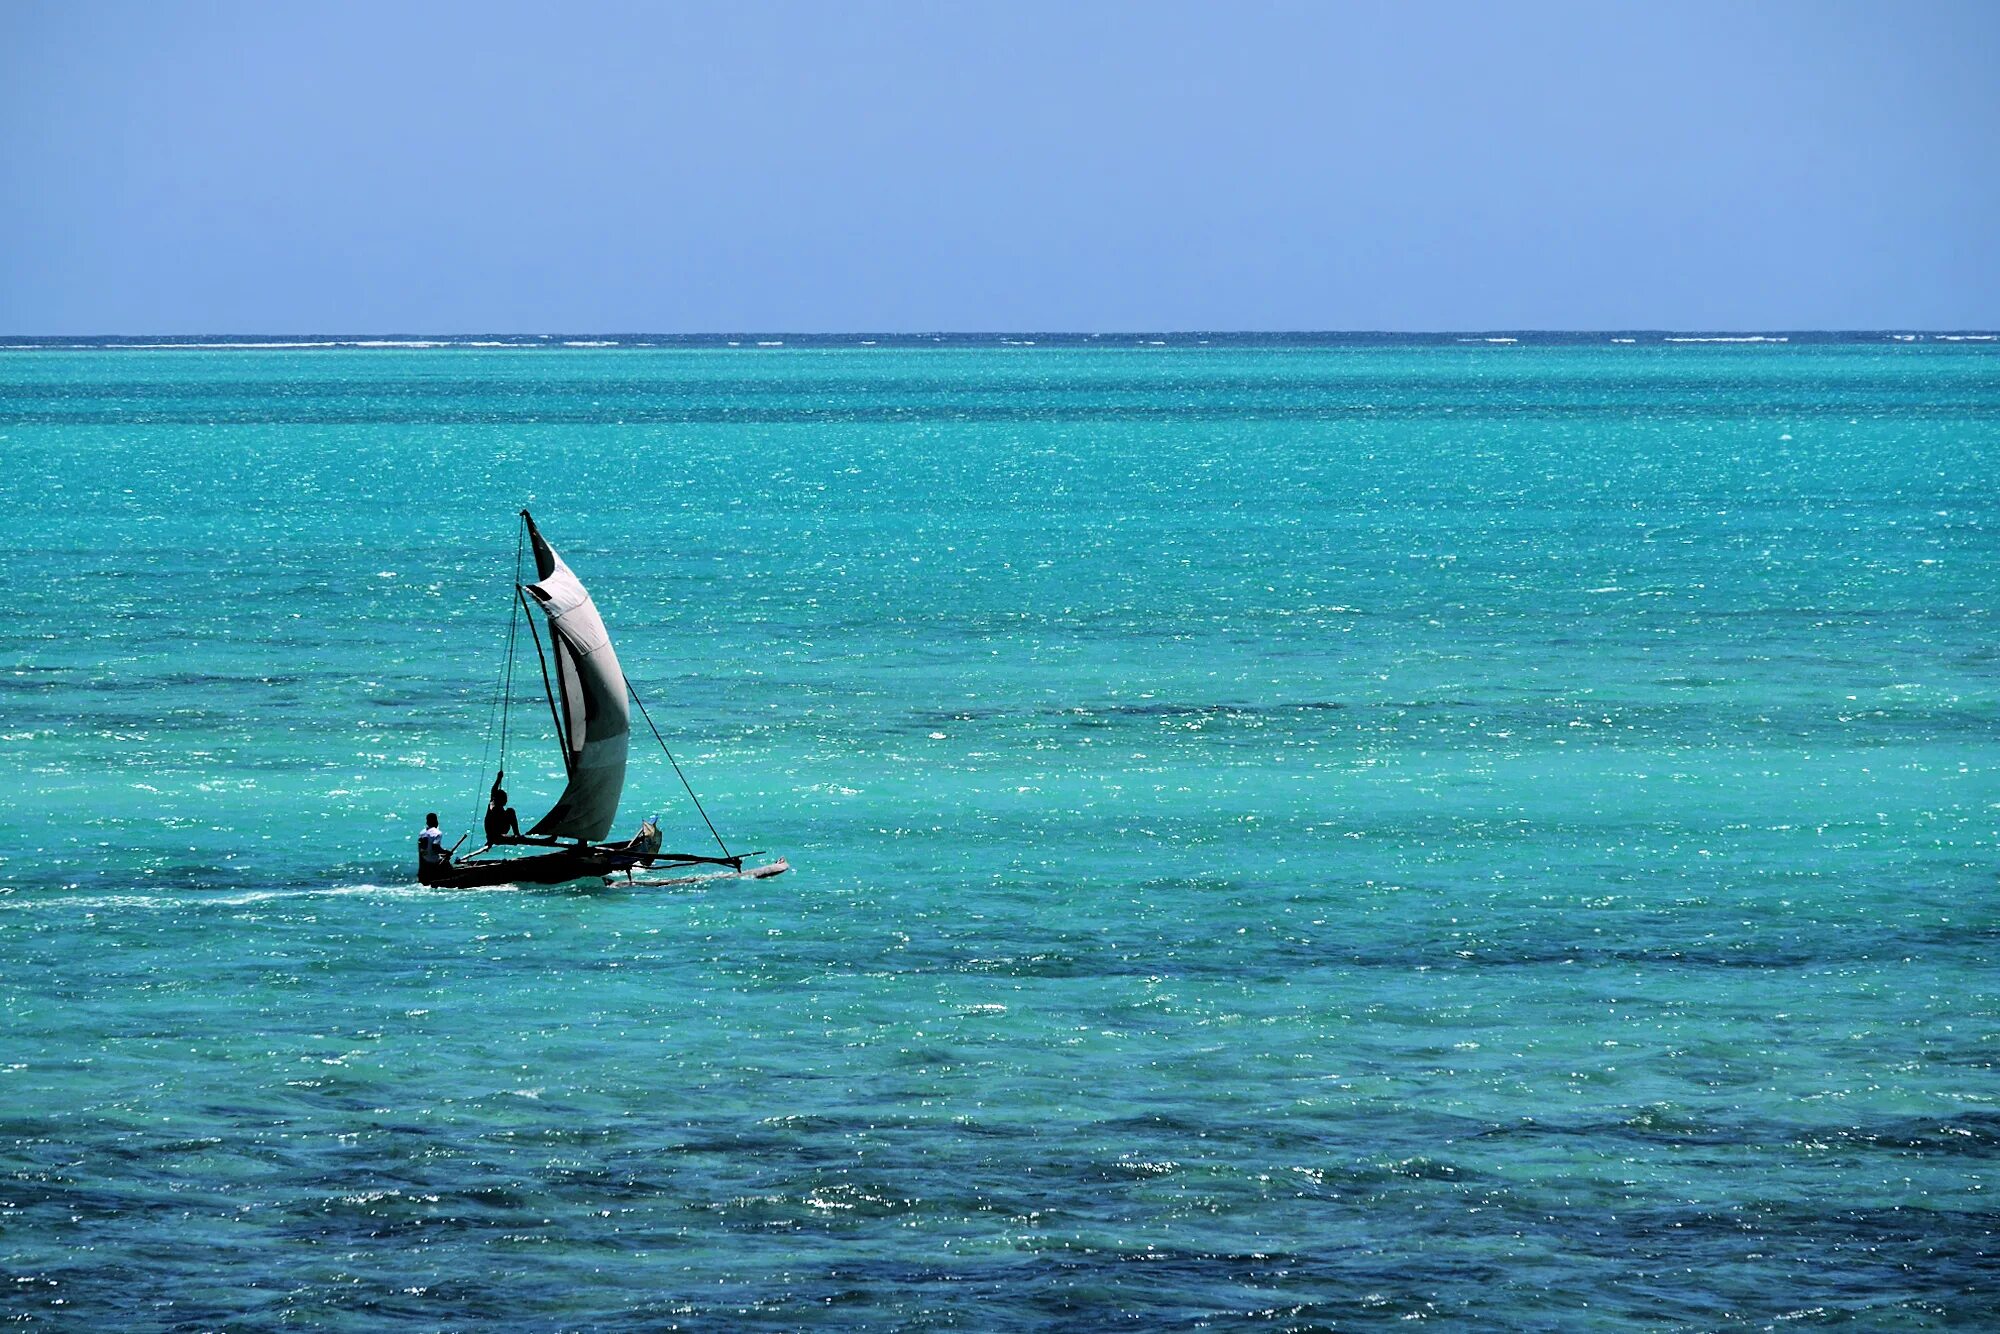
{"points": [[432, 166]]}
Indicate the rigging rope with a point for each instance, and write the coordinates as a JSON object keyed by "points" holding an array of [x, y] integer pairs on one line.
{"points": [[486, 750], [677, 767], [513, 632], [503, 694]]}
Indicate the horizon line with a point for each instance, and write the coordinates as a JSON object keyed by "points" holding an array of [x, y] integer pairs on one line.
{"points": [[1768, 332]]}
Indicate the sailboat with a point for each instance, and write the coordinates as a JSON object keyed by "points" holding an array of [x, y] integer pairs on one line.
{"points": [[590, 703]]}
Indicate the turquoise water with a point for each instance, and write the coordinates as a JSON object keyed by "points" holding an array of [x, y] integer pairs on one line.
{"points": [[1282, 837]]}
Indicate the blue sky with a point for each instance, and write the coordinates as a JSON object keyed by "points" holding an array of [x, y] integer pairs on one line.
{"points": [[499, 167]]}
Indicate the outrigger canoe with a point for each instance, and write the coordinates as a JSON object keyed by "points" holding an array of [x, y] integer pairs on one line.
{"points": [[590, 703]]}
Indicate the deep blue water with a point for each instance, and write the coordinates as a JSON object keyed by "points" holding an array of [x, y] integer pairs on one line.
{"points": [[1284, 835]]}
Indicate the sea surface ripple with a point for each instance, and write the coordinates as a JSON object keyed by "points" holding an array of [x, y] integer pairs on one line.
{"points": [[1284, 837]]}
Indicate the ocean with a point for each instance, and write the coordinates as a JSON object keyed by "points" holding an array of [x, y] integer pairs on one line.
{"points": [[1286, 833]]}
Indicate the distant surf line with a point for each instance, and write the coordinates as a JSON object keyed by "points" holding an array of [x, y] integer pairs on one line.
{"points": [[1020, 340]]}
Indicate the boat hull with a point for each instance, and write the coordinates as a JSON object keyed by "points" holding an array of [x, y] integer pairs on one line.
{"points": [[588, 863], [548, 868]]}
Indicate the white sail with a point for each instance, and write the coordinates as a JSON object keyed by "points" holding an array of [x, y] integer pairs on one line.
{"points": [[589, 686]]}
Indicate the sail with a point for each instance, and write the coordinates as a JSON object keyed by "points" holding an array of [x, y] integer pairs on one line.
{"points": [[596, 721]]}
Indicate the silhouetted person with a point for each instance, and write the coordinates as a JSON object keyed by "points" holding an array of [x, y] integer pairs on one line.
{"points": [[502, 825]]}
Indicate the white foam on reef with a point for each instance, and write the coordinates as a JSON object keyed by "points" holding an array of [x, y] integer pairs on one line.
{"points": [[767, 344], [1967, 338], [274, 346], [1624, 340], [1489, 340], [588, 342], [222, 347], [1729, 338]]}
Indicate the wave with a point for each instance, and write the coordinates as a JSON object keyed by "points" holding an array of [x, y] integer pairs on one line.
{"points": [[1726, 338], [290, 344], [273, 346]]}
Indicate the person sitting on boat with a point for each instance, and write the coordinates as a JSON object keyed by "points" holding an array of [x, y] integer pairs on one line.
{"points": [[502, 825], [646, 842], [431, 855]]}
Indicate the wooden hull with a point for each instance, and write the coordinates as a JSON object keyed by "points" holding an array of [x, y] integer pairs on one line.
{"points": [[548, 868], [588, 863]]}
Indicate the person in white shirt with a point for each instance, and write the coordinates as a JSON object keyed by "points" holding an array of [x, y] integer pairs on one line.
{"points": [[430, 846]]}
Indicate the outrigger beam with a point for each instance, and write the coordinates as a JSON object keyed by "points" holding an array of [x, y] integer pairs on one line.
{"points": [[679, 858]]}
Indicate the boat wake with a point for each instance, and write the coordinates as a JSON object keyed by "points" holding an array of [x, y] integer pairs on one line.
{"points": [[67, 900], [89, 901]]}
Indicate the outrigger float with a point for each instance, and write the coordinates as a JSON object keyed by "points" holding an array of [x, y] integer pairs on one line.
{"points": [[590, 703]]}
